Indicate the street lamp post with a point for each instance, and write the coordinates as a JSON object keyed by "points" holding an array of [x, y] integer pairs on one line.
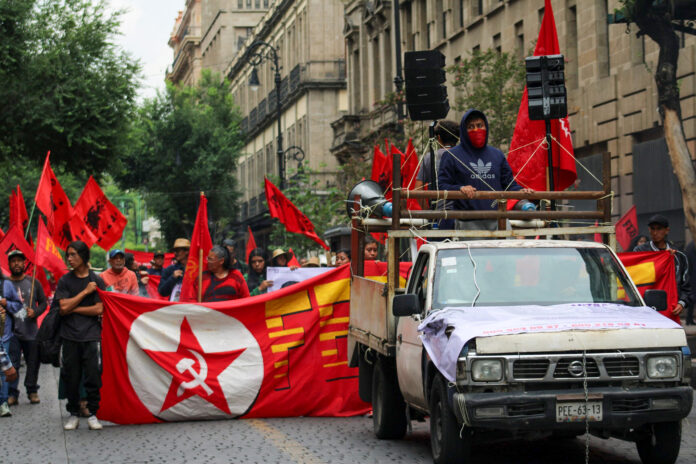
{"points": [[255, 56], [298, 155]]}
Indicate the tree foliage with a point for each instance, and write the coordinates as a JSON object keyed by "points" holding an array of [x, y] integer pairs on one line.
{"points": [[180, 143], [66, 87], [492, 82]]}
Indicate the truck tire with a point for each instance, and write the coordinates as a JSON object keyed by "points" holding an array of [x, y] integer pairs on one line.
{"points": [[388, 405], [445, 442], [662, 445]]}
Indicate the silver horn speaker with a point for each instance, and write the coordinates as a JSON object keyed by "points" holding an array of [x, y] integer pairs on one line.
{"points": [[371, 201]]}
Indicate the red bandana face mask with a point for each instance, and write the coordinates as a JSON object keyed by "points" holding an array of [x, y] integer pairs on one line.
{"points": [[477, 137]]}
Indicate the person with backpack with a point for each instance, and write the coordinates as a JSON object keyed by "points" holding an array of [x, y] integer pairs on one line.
{"points": [[80, 333]]}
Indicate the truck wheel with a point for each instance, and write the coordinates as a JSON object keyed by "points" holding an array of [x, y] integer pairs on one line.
{"points": [[661, 446], [446, 445], [388, 406]]}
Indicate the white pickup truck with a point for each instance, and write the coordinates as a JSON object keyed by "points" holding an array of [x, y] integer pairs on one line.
{"points": [[520, 338]]}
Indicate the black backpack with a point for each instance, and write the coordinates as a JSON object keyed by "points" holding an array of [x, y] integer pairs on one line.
{"points": [[47, 337]]}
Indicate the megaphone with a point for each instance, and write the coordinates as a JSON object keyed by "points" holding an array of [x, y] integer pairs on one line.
{"points": [[371, 202]]}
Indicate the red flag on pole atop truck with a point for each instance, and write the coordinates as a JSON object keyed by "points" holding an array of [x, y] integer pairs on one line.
{"points": [[528, 156]]}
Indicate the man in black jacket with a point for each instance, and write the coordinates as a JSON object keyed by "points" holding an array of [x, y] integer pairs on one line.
{"points": [[173, 276], [658, 226]]}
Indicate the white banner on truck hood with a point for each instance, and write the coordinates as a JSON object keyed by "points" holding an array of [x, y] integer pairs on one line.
{"points": [[489, 321]]}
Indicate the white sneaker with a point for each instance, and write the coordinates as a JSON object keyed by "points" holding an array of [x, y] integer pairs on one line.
{"points": [[93, 423], [5, 410], [72, 423]]}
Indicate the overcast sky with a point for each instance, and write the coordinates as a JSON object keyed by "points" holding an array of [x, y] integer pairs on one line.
{"points": [[146, 27]]}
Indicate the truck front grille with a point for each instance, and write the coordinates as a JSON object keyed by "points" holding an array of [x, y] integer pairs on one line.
{"points": [[525, 409], [564, 368], [530, 368], [622, 367]]}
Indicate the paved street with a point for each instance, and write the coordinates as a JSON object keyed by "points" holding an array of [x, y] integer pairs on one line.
{"points": [[34, 434]]}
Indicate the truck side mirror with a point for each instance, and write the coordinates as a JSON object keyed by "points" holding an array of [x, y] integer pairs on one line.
{"points": [[656, 299], [405, 305]]}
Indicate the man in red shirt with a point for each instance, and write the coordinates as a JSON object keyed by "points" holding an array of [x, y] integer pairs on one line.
{"points": [[117, 278]]}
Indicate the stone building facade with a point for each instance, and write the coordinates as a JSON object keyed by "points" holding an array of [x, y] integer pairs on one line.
{"points": [[609, 77], [306, 35], [209, 33]]}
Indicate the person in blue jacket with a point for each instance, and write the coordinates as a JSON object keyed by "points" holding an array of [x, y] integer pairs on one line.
{"points": [[474, 165], [9, 303]]}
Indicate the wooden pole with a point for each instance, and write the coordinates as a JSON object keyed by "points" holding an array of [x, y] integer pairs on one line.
{"points": [[200, 263]]}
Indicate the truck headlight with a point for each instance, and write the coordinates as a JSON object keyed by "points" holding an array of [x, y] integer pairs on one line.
{"points": [[662, 367], [487, 370]]}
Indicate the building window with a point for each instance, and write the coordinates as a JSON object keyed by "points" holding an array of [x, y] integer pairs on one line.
{"points": [[461, 13], [248, 3], [257, 4], [240, 4], [571, 47], [519, 40], [496, 43], [477, 7], [265, 3]]}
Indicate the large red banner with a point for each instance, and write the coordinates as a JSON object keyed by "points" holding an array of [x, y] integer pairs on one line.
{"points": [[276, 355]]}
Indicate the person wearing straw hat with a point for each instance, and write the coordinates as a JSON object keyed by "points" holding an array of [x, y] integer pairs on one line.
{"points": [[280, 258], [173, 276], [25, 329]]}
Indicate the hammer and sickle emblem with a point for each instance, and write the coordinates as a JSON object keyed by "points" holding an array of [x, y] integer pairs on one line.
{"points": [[186, 364]]}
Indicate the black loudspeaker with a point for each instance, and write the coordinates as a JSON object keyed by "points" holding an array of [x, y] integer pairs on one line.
{"points": [[371, 201], [426, 94], [546, 87]]}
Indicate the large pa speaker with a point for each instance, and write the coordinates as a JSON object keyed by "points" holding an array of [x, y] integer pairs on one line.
{"points": [[371, 203], [426, 95]]}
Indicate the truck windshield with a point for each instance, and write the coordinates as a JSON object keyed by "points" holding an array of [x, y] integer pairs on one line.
{"points": [[529, 276]]}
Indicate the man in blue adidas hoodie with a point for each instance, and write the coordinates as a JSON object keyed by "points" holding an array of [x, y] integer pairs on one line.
{"points": [[474, 165]]}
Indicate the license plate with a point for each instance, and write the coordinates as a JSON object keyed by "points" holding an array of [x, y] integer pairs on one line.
{"points": [[577, 411]]}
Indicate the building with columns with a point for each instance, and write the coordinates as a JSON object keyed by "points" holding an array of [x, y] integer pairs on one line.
{"points": [[208, 34], [306, 36], [609, 78]]}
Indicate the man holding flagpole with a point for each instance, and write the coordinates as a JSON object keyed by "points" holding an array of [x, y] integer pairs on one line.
{"points": [[25, 329]]}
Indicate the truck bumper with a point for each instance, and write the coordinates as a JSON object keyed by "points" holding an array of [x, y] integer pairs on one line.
{"points": [[622, 408]]}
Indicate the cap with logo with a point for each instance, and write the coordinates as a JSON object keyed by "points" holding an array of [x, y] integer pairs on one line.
{"points": [[659, 220], [116, 252], [229, 242], [159, 253]]}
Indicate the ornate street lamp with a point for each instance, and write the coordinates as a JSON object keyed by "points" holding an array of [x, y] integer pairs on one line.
{"points": [[255, 56]]}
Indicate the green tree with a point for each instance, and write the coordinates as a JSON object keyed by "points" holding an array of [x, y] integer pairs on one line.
{"points": [[492, 82], [657, 20], [65, 86], [180, 143], [322, 204]]}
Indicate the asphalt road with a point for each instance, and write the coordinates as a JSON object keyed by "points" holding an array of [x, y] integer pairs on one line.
{"points": [[34, 434]]}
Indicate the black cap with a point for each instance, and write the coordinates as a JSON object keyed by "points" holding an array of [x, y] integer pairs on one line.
{"points": [[159, 253], [659, 220], [230, 242], [14, 253]]}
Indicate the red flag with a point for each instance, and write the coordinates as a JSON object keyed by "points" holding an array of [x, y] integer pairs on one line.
{"points": [[78, 230], [526, 140], [289, 215], [597, 235], [54, 203], [199, 241], [409, 169], [144, 258], [14, 239], [627, 228], [18, 210], [654, 270], [103, 219], [381, 169], [250, 244], [293, 259], [276, 355], [153, 282], [47, 254]]}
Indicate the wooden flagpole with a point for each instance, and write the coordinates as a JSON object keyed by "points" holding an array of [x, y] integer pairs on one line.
{"points": [[200, 262]]}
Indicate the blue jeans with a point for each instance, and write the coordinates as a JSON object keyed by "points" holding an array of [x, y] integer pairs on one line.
{"points": [[5, 387]]}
